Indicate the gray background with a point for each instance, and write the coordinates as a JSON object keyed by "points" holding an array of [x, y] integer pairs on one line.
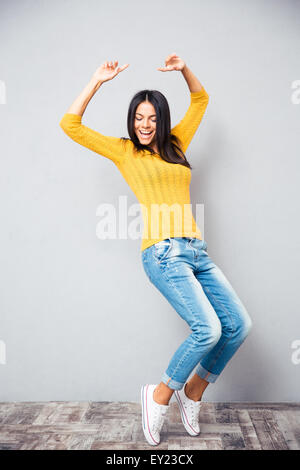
{"points": [[79, 318]]}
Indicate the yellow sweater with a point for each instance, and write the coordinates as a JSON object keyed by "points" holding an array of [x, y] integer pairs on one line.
{"points": [[162, 188]]}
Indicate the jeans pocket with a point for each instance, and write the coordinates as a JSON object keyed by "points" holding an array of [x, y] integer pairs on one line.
{"points": [[145, 265], [162, 249]]}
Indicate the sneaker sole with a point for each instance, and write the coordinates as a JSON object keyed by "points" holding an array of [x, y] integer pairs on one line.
{"points": [[184, 419], [145, 418]]}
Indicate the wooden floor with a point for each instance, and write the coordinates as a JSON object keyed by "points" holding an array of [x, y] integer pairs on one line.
{"points": [[117, 425]]}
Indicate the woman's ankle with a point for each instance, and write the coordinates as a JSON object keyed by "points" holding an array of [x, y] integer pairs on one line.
{"points": [[160, 397], [191, 393]]}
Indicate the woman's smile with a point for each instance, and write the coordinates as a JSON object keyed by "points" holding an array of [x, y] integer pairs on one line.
{"points": [[145, 134]]}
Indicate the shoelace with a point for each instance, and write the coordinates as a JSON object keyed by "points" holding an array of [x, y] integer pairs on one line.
{"points": [[195, 410], [158, 418]]}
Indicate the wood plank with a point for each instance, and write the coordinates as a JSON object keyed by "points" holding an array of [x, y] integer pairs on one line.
{"points": [[248, 430], [274, 431], [261, 429], [63, 412], [233, 441], [19, 413], [187, 443], [293, 418]]}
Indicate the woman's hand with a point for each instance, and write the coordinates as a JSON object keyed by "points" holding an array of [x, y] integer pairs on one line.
{"points": [[108, 71], [173, 62]]}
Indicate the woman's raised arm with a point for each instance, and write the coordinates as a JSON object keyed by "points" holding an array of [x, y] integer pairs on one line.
{"points": [[110, 147], [199, 98], [106, 71]]}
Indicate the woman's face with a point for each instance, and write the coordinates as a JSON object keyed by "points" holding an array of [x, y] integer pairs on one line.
{"points": [[145, 123]]}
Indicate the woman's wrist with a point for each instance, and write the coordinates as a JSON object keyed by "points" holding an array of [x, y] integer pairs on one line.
{"points": [[184, 68], [95, 83]]}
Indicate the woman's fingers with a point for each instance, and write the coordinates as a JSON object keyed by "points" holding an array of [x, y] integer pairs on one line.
{"points": [[168, 68], [113, 65], [120, 69], [165, 69], [171, 55], [110, 64]]}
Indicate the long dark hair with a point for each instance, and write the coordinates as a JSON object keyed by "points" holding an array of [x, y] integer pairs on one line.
{"points": [[169, 146]]}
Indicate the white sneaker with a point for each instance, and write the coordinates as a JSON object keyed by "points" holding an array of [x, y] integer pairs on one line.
{"points": [[153, 415], [189, 410]]}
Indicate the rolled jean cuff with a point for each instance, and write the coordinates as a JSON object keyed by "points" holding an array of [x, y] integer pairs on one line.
{"points": [[205, 374], [171, 383]]}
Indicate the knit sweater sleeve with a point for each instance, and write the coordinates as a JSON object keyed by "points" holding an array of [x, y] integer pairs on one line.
{"points": [[187, 127], [109, 147]]}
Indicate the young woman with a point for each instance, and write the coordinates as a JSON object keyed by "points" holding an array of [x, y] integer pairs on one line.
{"points": [[173, 251]]}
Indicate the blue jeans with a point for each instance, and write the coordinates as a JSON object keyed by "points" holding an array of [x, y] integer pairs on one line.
{"points": [[182, 271]]}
